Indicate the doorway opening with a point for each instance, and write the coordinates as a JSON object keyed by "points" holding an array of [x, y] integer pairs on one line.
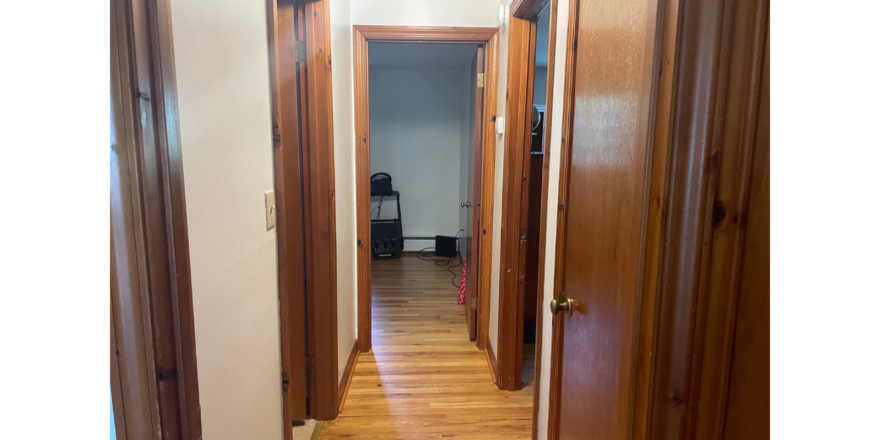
{"points": [[424, 113], [417, 120]]}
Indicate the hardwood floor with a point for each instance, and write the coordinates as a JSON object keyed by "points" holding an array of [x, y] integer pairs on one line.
{"points": [[424, 379]]}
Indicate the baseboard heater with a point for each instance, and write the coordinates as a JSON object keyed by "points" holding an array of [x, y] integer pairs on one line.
{"points": [[444, 246]]}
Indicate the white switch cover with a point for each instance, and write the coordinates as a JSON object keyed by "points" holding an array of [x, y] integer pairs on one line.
{"points": [[270, 210], [499, 125]]}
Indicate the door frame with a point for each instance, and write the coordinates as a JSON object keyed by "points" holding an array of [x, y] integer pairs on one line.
{"points": [[281, 18], [363, 35], [154, 376], [303, 161], [514, 209]]}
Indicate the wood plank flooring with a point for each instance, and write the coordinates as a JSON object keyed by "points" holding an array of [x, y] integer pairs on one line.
{"points": [[424, 378]]}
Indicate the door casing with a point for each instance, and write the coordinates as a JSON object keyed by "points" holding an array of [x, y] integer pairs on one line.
{"points": [[363, 35]]}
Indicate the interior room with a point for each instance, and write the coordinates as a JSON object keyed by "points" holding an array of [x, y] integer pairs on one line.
{"points": [[419, 134]]}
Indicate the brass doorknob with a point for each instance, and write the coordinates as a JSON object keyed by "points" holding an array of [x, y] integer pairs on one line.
{"points": [[563, 305], [465, 204]]}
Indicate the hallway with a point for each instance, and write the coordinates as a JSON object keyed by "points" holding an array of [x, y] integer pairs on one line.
{"points": [[424, 379]]}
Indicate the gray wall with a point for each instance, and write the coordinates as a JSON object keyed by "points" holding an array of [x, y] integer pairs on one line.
{"points": [[416, 120]]}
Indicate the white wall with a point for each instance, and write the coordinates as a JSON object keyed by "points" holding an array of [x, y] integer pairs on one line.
{"points": [[342, 77], [425, 12], [415, 136], [221, 58], [552, 200]]}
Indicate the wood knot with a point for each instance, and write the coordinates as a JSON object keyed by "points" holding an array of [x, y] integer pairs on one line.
{"points": [[677, 401], [719, 213]]}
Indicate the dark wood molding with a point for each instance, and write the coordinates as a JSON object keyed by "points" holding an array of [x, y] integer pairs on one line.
{"points": [[657, 186], [426, 34], [719, 85], [564, 161], [487, 190], [281, 21], [319, 200], [528, 9], [542, 248], [490, 360], [151, 222], [362, 192], [347, 375], [514, 208], [362, 36]]}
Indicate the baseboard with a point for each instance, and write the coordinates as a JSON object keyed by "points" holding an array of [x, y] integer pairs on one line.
{"points": [[347, 375], [490, 358], [317, 432]]}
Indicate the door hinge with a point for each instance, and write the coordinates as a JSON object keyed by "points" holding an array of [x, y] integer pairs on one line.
{"points": [[285, 381], [480, 79], [299, 47], [474, 303], [522, 235], [310, 366]]}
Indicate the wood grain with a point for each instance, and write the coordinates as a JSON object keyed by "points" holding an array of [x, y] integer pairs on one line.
{"points": [[603, 247], [528, 10], [362, 35], [656, 208], [319, 198], [281, 22], [424, 378], [492, 362], [362, 188], [514, 209], [347, 374], [154, 221], [426, 34], [719, 144], [487, 188]]}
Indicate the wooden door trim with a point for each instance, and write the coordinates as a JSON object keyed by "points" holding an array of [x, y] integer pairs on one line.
{"points": [[363, 35], [527, 9], [511, 325], [281, 22], [319, 197], [713, 139], [158, 225], [348, 375]]}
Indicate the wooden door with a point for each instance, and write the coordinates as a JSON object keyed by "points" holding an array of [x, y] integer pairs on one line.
{"points": [[473, 190], [603, 208]]}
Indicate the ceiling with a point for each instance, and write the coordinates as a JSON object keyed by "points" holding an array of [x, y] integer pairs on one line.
{"points": [[420, 54]]}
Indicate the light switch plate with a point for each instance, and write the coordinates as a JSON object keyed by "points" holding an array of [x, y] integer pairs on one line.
{"points": [[499, 125], [270, 210]]}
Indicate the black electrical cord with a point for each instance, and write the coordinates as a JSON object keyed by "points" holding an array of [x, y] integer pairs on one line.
{"points": [[379, 207], [443, 262]]}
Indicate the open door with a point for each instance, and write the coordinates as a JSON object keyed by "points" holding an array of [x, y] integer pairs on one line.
{"points": [[473, 190], [601, 233]]}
